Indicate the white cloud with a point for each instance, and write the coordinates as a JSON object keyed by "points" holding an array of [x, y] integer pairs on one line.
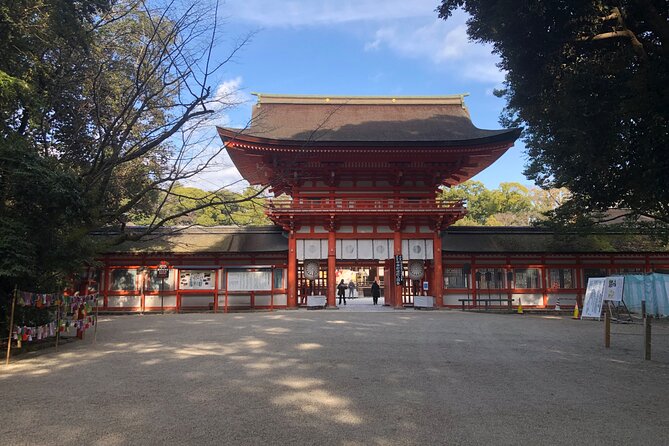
{"points": [[228, 95], [321, 12], [445, 43], [206, 145]]}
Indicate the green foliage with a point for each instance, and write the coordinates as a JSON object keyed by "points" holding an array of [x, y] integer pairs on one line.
{"points": [[512, 204], [190, 203], [589, 82], [99, 105]]}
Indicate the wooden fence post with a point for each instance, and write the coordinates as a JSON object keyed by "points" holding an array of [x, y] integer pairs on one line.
{"points": [[646, 338], [607, 330]]}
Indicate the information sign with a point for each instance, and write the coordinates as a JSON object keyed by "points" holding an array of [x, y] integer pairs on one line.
{"points": [[163, 270], [399, 270], [613, 288], [594, 298]]}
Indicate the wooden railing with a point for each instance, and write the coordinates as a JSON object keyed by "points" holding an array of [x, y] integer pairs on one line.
{"points": [[363, 205]]}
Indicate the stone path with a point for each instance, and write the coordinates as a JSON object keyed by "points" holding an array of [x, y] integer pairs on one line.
{"points": [[342, 377]]}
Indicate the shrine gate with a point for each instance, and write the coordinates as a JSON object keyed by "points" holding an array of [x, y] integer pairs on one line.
{"points": [[357, 182]]}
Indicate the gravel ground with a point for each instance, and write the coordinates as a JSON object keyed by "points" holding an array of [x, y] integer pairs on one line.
{"points": [[342, 378]]}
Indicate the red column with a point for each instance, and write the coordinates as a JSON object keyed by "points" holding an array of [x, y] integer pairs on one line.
{"points": [[292, 271], [544, 281], [397, 250], [105, 280], [438, 272], [216, 275], [474, 283], [332, 274]]}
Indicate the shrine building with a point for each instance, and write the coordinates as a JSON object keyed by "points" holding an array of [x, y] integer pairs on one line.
{"points": [[356, 184]]}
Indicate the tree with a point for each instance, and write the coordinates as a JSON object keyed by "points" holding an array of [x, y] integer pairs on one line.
{"points": [[589, 82], [512, 204], [102, 105]]}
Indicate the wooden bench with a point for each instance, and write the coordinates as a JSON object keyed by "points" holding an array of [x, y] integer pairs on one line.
{"points": [[486, 302]]}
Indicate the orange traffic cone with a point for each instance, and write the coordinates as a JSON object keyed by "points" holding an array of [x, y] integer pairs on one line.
{"points": [[575, 316], [520, 306]]}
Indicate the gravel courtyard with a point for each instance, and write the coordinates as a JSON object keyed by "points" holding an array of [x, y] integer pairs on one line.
{"points": [[342, 378]]}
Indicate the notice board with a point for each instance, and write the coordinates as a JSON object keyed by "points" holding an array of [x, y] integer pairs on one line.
{"points": [[613, 288], [594, 298]]}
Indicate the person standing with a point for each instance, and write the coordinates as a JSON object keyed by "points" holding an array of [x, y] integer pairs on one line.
{"points": [[376, 291], [351, 289], [341, 290]]}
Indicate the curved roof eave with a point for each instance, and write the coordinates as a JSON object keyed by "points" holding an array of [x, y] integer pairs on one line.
{"points": [[497, 136]]}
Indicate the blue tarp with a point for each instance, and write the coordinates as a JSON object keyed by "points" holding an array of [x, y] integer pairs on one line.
{"points": [[653, 288]]}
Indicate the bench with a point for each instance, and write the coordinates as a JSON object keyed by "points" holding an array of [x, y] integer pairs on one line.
{"points": [[486, 302]]}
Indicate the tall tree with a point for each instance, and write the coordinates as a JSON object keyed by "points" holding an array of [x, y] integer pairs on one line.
{"points": [[102, 104], [589, 82]]}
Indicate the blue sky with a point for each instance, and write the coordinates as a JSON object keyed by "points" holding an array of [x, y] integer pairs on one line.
{"points": [[363, 47]]}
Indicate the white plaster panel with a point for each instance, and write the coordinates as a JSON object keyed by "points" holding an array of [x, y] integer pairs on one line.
{"points": [[319, 230], [429, 249], [280, 299], [365, 229], [349, 249], [324, 249], [124, 301], [262, 300], [339, 253], [312, 249], [405, 249], [529, 299], [346, 229], [304, 230], [424, 229], [452, 299], [565, 299], [365, 250], [409, 229], [384, 229], [154, 301], [237, 300], [299, 249], [416, 249], [381, 251], [196, 301]]}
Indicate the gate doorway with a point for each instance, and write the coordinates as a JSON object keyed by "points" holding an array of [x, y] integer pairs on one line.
{"points": [[362, 275]]}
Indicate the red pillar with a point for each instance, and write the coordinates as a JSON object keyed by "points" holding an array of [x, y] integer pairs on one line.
{"points": [[332, 274], [397, 250], [438, 272], [292, 271]]}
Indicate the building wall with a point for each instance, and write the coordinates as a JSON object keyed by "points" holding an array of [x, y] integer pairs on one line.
{"points": [[222, 282]]}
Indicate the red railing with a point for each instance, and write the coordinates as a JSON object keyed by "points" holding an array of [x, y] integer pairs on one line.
{"points": [[363, 205]]}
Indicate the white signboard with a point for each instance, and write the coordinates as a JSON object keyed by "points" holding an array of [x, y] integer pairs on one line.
{"points": [[241, 280], [613, 288], [196, 279], [594, 298]]}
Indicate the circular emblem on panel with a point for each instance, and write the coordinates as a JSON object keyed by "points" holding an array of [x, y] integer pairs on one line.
{"points": [[417, 249], [312, 248], [416, 269], [311, 270]]}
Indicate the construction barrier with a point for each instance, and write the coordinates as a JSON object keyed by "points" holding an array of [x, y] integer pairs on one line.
{"points": [[653, 288]]}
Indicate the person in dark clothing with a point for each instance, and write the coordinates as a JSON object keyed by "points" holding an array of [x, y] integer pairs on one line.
{"points": [[341, 290], [376, 292]]}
